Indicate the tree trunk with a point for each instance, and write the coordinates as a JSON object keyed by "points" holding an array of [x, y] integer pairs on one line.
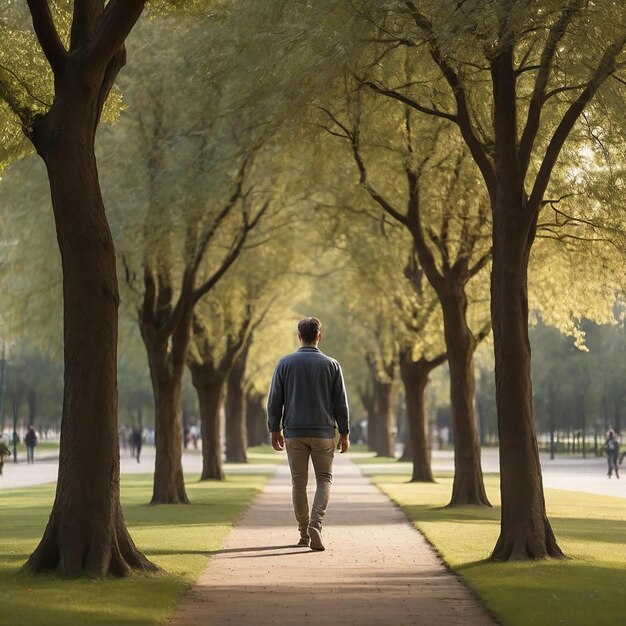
{"points": [[256, 421], [86, 531], [468, 486], [525, 532], [236, 436], [166, 375], [169, 481], [369, 404], [415, 379], [385, 398], [209, 384]]}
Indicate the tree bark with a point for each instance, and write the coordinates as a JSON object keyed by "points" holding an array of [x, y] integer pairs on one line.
{"points": [[236, 436], [385, 405], [169, 482], [468, 486], [86, 531], [256, 420], [525, 531], [209, 384], [415, 379], [166, 374]]}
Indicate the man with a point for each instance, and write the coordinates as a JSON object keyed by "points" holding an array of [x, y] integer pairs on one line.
{"points": [[611, 445], [306, 400], [30, 440]]}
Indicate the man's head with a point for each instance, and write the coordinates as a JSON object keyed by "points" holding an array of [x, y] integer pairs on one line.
{"points": [[309, 330]]}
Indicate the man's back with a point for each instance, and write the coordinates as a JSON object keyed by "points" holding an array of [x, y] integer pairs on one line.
{"points": [[308, 394]]}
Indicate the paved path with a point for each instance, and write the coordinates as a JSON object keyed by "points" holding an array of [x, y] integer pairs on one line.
{"points": [[376, 569], [46, 467]]}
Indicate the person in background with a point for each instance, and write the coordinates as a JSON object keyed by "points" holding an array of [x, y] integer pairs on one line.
{"points": [[30, 439], [611, 445], [5, 453], [137, 441]]}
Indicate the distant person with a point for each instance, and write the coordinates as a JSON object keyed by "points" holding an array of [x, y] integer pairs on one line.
{"points": [[30, 439], [611, 445], [194, 434], [136, 440], [5, 453], [307, 400]]}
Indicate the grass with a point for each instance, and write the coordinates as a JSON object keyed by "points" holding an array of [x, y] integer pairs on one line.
{"points": [[180, 539], [588, 589]]}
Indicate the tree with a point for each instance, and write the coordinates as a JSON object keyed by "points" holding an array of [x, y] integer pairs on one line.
{"points": [[515, 80], [448, 227], [197, 198], [86, 532]]}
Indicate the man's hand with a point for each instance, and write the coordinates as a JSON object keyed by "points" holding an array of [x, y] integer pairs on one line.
{"points": [[278, 441], [344, 443]]}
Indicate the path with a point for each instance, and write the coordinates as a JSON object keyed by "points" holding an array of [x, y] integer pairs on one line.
{"points": [[376, 569], [46, 467]]}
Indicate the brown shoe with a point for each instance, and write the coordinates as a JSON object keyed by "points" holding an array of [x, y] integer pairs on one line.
{"points": [[316, 539], [304, 541]]}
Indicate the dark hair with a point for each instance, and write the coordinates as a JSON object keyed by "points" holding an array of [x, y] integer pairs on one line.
{"points": [[308, 329]]}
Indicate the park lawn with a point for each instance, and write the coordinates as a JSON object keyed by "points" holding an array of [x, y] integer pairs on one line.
{"points": [[591, 529], [180, 539]]}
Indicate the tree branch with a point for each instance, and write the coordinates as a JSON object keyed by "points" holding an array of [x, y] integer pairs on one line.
{"points": [[555, 35], [117, 21], [602, 72], [47, 34], [84, 21], [232, 255], [462, 118], [390, 93], [480, 264]]}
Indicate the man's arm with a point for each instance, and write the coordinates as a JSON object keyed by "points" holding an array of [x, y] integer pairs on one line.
{"points": [[341, 410], [275, 403]]}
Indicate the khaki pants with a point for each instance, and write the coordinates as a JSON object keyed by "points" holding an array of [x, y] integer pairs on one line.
{"points": [[321, 452]]}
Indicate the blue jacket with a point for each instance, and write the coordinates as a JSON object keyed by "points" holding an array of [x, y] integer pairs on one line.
{"points": [[308, 396]]}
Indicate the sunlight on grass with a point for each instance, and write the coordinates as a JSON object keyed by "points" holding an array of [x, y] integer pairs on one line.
{"points": [[178, 538], [588, 589]]}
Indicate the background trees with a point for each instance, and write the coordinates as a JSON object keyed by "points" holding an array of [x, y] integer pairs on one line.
{"points": [[220, 184]]}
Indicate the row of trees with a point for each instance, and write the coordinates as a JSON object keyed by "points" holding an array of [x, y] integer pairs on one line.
{"points": [[397, 152]]}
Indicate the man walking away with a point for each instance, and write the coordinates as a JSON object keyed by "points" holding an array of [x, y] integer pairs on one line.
{"points": [[30, 439], [611, 446], [307, 400], [137, 441]]}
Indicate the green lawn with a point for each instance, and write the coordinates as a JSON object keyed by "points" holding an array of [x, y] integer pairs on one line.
{"points": [[586, 590], [178, 538]]}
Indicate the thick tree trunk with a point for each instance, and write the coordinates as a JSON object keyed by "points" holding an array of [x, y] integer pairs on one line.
{"points": [[415, 379], [256, 420], [86, 531], [209, 384], [525, 531], [236, 437], [468, 486]]}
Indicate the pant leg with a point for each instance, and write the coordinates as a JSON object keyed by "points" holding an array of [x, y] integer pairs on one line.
{"points": [[613, 463], [322, 454], [298, 453]]}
